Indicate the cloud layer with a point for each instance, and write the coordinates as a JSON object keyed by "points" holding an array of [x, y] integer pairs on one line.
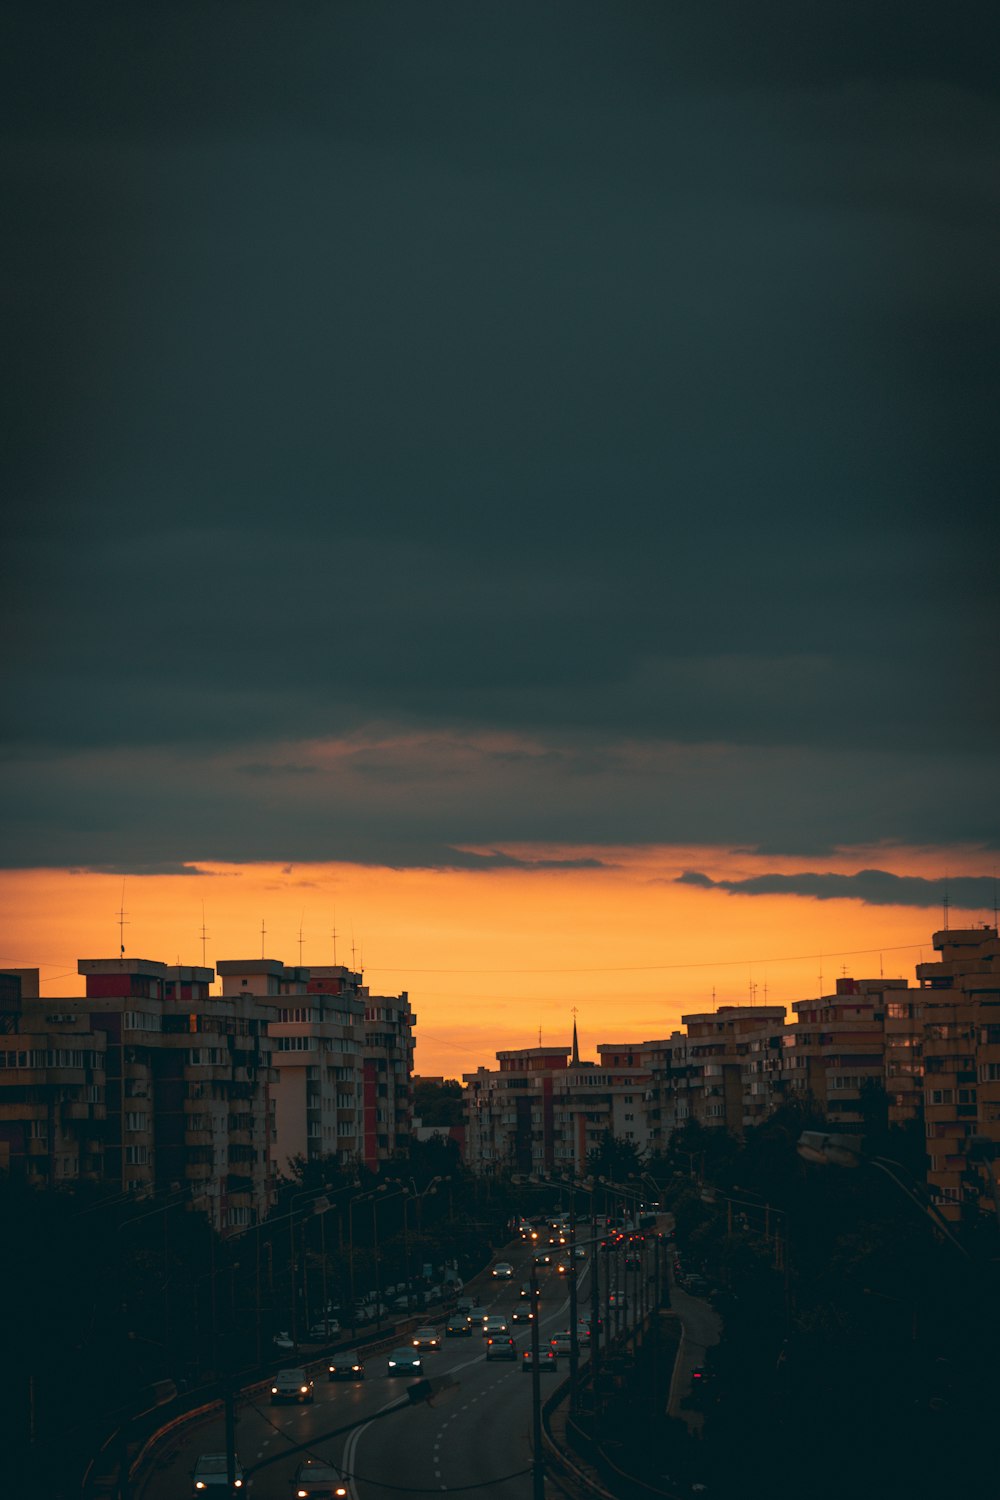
{"points": [[435, 429], [873, 887]]}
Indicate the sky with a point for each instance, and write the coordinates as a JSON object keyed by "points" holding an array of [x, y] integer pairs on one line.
{"points": [[516, 483]]}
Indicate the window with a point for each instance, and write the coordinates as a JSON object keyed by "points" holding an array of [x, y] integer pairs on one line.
{"points": [[942, 1096], [136, 1156], [136, 1121]]}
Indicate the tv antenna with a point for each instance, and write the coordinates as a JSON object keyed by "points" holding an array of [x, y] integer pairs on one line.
{"points": [[333, 934], [122, 923], [946, 903], [300, 939], [204, 936], [263, 934]]}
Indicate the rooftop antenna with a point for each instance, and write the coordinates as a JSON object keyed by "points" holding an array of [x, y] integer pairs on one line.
{"points": [[122, 924], [263, 934], [881, 970], [539, 1036], [945, 903], [204, 936], [995, 924], [354, 966], [575, 1061], [765, 989], [333, 934], [821, 979], [300, 938]]}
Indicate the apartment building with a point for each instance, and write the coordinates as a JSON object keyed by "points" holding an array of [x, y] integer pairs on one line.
{"points": [[316, 1022], [343, 1060], [959, 1016], [146, 1082], [510, 1113], [720, 1062], [53, 1104], [388, 1077]]}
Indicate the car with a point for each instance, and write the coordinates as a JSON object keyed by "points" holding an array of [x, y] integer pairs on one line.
{"points": [[633, 1262], [521, 1314], [617, 1299], [478, 1316], [465, 1304], [548, 1359], [404, 1362], [427, 1338], [329, 1329], [494, 1324], [292, 1385], [563, 1266], [561, 1342], [211, 1474], [500, 1347], [283, 1341], [317, 1480], [579, 1252], [524, 1290], [502, 1271], [347, 1365], [542, 1258], [458, 1327], [583, 1334]]}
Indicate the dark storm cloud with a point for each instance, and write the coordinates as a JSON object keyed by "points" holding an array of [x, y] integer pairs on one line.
{"points": [[872, 887], [591, 377]]}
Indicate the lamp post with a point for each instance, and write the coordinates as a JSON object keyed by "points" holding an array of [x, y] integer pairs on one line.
{"points": [[848, 1151], [537, 1460]]}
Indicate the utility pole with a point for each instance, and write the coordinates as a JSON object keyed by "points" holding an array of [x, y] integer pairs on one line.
{"points": [[574, 1342], [537, 1461]]}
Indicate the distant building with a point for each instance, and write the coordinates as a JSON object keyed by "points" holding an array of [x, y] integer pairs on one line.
{"points": [[148, 1083], [343, 1059]]}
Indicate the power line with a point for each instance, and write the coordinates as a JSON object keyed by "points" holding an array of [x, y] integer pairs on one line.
{"points": [[714, 963]]}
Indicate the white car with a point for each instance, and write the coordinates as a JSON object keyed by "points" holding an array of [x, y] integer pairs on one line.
{"points": [[329, 1329], [503, 1271], [211, 1473]]}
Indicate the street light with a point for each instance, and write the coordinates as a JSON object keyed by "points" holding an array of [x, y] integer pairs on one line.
{"points": [[848, 1151]]}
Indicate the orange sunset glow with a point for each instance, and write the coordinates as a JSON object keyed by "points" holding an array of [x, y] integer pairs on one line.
{"points": [[491, 957]]}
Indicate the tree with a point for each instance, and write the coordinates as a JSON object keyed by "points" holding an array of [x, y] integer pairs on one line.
{"points": [[615, 1158], [438, 1103]]}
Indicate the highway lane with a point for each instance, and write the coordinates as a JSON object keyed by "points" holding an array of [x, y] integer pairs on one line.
{"points": [[474, 1434]]}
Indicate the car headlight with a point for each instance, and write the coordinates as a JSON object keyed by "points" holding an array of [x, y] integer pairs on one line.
{"points": [[238, 1483], [340, 1490], [302, 1494], [304, 1389], [199, 1484], [392, 1364], [274, 1390]]}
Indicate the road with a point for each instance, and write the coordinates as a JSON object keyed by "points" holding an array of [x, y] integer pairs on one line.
{"points": [[474, 1434]]}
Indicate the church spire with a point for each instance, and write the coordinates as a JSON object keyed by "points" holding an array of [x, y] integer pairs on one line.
{"points": [[575, 1060]]}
